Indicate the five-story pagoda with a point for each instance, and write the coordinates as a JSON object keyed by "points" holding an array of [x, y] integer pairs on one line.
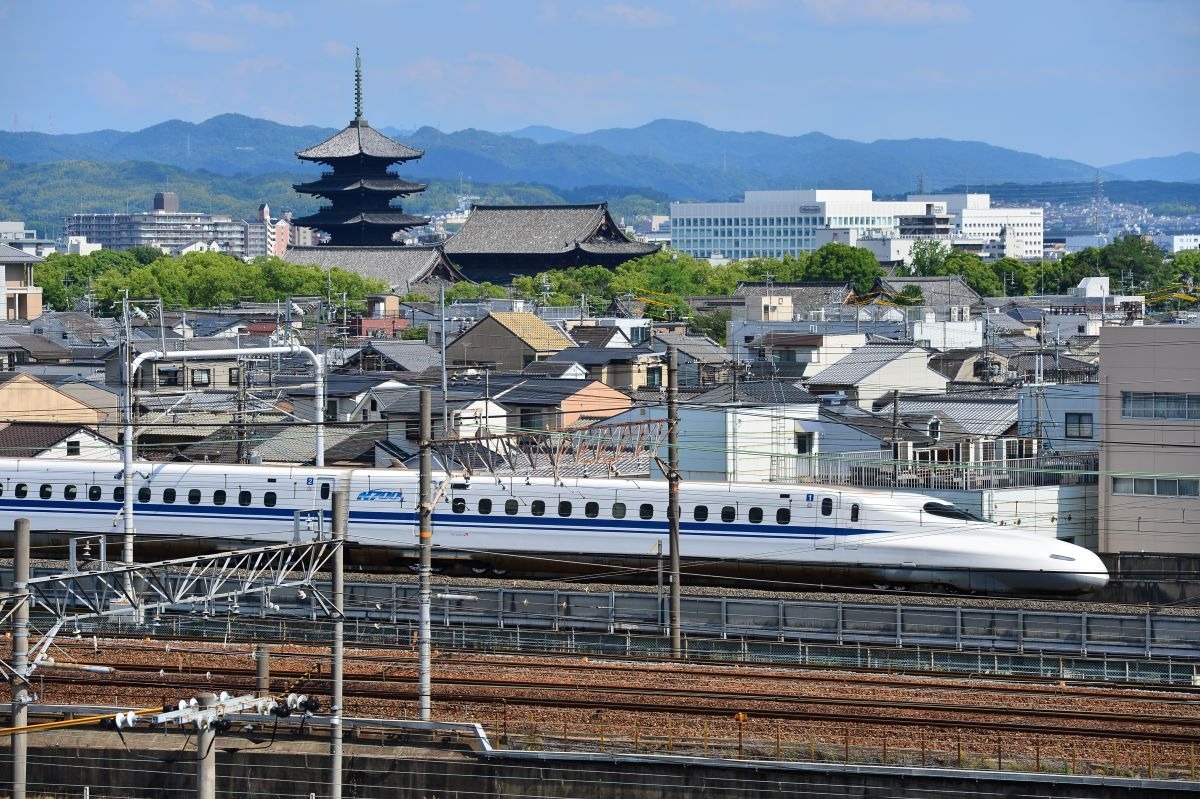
{"points": [[360, 189]]}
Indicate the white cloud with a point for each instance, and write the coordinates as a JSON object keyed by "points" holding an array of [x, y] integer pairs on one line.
{"points": [[106, 85], [264, 64], [628, 16], [261, 16]]}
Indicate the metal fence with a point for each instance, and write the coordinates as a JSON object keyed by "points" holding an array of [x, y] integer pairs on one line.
{"points": [[873, 469]]}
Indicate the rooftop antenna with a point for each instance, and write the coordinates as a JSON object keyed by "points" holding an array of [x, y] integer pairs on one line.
{"points": [[357, 86]]}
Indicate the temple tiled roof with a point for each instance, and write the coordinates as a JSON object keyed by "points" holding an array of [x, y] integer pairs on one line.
{"points": [[359, 138], [805, 294], [936, 292], [541, 229], [400, 267]]}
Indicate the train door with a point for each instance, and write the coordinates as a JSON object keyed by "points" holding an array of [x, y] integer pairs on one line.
{"points": [[825, 519], [851, 523]]}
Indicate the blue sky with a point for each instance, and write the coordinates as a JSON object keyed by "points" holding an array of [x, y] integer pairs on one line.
{"points": [[1099, 81]]}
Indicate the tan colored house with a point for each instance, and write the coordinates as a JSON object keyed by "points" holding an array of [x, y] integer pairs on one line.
{"points": [[27, 399], [21, 299], [1149, 439], [546, 404], [509, 339]]}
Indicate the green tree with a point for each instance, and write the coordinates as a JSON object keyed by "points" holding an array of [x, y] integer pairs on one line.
{"points": [[473, 291], [928, 257], [711, 325], [1185, 268], [837, 261], [978, 275]]}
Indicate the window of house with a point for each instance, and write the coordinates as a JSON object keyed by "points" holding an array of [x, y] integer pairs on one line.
{"points": [[804, 443], [654, 376], [1079, 425], [485, 506], [646, 510], [783, 515], [201, 378], [72, 449], [537, 507], [700, 513], [1160, 486], [235, 375], [412, 429], [168, 375], [532, 419]]}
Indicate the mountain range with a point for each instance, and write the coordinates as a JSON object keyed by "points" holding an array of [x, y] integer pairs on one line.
{"points": [[684, 160]]}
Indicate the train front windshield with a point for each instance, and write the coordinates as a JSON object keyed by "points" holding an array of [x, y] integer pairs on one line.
{"points": [[948, 511]]}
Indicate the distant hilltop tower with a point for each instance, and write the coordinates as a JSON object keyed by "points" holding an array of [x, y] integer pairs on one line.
{"points": [[360, 189]]}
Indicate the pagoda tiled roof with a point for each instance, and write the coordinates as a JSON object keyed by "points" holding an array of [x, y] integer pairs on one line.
{"points": [[359, 138], [542, 229], [336, 183], [330, 216]]}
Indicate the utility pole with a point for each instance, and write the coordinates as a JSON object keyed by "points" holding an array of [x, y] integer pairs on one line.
{"points": [[341, 519], [673, 498], [206, 756], [20, 658], [425, 539]]}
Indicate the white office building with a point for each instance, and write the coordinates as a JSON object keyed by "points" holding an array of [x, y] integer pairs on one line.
{"points": [[1178, 242], [772, 224]]}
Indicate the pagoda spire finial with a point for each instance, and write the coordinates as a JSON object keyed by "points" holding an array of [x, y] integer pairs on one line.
{"points": [[357, 85]]}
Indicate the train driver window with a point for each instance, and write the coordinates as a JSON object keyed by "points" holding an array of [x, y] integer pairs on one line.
{"points": [[143, 494], [646, 510], [827, 506], [458, 505], [728, 513], [485, 506], [700, 513], [70, 492], [591, 509], [854, 512], [194, 496], [46, 491], [21, 490], [618, 510], [168, 495], [511, 506], [564, 508], [783, 516], [94, 493], [755, 515], [537, 507], [219, 497]]}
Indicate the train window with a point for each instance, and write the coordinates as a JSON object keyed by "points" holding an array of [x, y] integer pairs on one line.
{"points": [[168, 495], [325, 490], [269, 499], [46, 491], [194, 496], [458, 505], [646, 510], [21, 490], [94, 493], [244, 498], [511, 506], [827, 506], [219, 497], [143, 494], [564, 508], [537, 507], [485, 505], [70, 492], [119, 494], [700, 513], [591, 509], [618, 510], [947, 511], [728, 513], [854, 512], [755, 515], [783, 515]]}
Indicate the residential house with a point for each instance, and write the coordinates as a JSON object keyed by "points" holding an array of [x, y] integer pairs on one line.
{"points": [[24, 398], [391, 355], [625, 369], [700, 360], [787, 355], [348, 397], [56, 440], [507, 341], [872, 372], [1064, 417], [19, 349], [20, 297], [537, 405]]}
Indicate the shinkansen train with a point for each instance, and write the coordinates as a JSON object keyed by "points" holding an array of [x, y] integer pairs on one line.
{"points": [[769, 532]]}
